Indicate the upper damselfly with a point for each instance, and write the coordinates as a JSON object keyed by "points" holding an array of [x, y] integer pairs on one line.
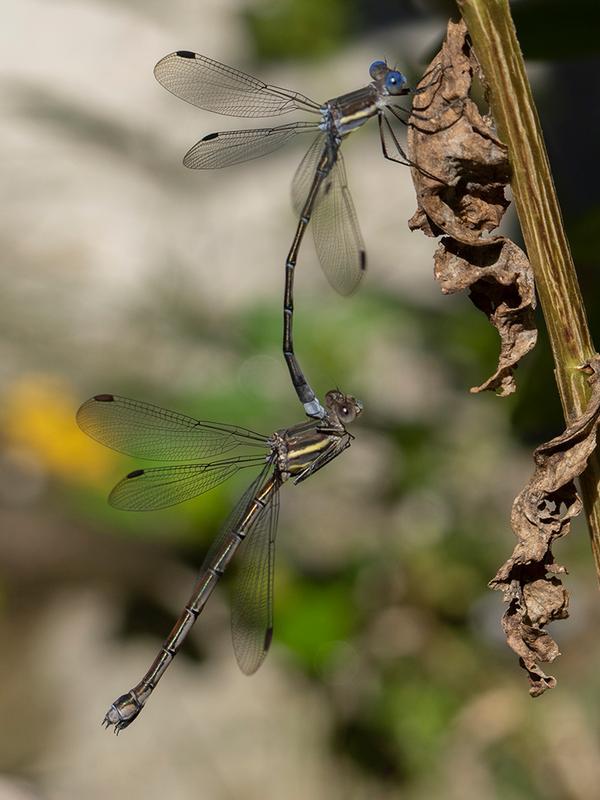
{"points": [[319, 188], [147, 431]]}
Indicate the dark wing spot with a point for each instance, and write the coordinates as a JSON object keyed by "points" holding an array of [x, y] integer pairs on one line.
{"points": [[208, 137], [104, 398], [136, 473], [186, 54], [363, 261], [268, 638]]}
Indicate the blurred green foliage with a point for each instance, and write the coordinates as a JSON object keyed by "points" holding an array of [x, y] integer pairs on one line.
{"points": [[298, 28], [303, 29]]}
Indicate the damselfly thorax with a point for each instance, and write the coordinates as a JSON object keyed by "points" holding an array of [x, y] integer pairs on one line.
{"points": [[349, 111]]}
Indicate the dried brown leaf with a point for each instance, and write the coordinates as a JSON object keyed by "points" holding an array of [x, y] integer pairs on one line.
{"points": [[463, 167], [542, 513], [501, 285], [460, 181]]}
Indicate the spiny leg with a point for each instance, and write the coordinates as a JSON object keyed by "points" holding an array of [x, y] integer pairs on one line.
{"points": [[437, 79], [382, 120], [410, 111], [405, 160]]}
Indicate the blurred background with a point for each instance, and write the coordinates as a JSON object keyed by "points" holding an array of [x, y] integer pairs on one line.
{"points": [[123, 272]]}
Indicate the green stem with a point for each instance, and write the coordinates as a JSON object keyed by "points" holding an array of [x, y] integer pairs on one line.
{"points": [[495, 43]]}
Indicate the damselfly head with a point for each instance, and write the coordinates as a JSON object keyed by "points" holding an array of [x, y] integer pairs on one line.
{"points": [[390, 81], [345, 407], [395, 82], [378, 70]]}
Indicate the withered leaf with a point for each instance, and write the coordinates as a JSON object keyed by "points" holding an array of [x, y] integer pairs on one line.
{"points": [[542, 513], [460, 183], [501, 285], [462, 165]]}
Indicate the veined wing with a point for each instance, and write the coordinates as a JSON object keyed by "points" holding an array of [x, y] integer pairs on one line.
{"points": [[151, 489], [305, 174], [252, 605], [144, 430], [252, 608], [225, 148], [338, 239], [213, 86]]}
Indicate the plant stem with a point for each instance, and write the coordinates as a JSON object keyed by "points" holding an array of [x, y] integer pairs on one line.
{"points": [[495, 43]]}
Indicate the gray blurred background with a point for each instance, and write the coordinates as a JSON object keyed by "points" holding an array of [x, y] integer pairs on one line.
{"points": [[123, 272]]}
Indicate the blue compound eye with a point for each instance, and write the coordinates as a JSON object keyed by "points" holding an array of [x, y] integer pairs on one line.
{"points": [[377, 68], [395, 82]]}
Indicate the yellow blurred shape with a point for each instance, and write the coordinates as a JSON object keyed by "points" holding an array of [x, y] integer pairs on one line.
{"points": [[39, 416]]}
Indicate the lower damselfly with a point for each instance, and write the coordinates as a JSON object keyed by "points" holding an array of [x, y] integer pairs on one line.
{"points": [[147, 431], [319, 188]]}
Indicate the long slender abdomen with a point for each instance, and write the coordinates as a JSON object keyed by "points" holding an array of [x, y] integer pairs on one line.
{"points": [[127, 707]]}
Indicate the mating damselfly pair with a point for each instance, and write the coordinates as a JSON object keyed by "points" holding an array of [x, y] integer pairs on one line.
{"points": [[320, 192]]}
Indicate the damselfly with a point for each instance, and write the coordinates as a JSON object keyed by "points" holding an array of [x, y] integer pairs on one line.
{"points": [[147, 431], [319, 188]]}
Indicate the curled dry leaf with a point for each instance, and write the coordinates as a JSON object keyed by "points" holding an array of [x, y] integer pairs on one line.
{"points": [[463, 167], [460, 184], [501, 285], [542, 513]]}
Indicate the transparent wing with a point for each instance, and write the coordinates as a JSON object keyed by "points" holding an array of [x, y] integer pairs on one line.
{"points": [[252, 603], [338, 240], [234, 520], [252, 606], [151, 489], [305, 173], [144, 430], [216, 87], [232, 147]]}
